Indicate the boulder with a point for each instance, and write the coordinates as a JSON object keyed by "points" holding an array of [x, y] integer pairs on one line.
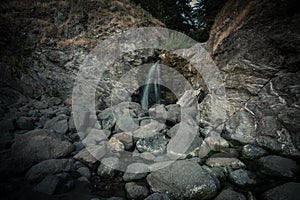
{"points": [[229, 194], [155, 144], [135, 171], [59, 124], [242, 178], [277, 166], [251, 151], [55, 184], [183, 179], [38, 145], [233, 163], [135, 191], [25, 123], [109, 167], [47, 167], [287, 191]]}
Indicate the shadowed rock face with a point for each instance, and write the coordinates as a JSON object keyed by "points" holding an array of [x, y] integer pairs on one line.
{"points": [[255, 44]]}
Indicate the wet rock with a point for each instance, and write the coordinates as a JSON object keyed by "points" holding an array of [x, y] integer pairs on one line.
{"points": [[47, 167], [38, 145], [59, 124], [135, 171], [135, 191], [55, 184], [84, 171], [287, 191], [251, 151], [241, 127], [233, 163], [183, 179], [278, 166], [109, 167], [242, 178], [154, 144], [229, 194], [25, 123], [126, 138]]}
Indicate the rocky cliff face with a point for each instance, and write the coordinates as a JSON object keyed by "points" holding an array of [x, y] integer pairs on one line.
{"points": [[43, 43], [256, 46]]}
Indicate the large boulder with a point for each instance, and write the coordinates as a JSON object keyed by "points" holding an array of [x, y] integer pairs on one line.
{"points": [[287, 191], [38, 145], [183, 179]]}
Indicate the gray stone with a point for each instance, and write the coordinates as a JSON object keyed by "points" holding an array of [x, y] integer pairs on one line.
{"points": [[241, 127], [183, 179], [59, 124], [173, 113], [135, 191], [55, 184], [251, 151], [213, 142], [126, 138], [233, 163], [242, 178], [155, 144], [115, 145], [91, 154], [172, 131], [84, 171], [229, 194], [278, 166], [25, 123], [126, 123], [38, 145], [135, 171], [216, 172], [109, 167], [107, 118], [157, 196], [287, 191], [47, 167], [94, 137]]}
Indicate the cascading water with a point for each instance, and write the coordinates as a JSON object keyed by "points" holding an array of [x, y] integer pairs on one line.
{"points": [[151, 93]]}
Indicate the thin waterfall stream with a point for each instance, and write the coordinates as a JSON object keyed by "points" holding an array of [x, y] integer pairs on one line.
{"points": [[151, 92]]}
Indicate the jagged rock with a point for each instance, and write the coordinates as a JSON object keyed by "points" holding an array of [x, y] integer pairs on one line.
{"points": [[126, 138], [109, 167], [229, 194], [107, 118], [84, 171], [25, 123], [59, 124], [173, 113], [186, 134], [213, 142], [149, 129], [158, 113], [135, 191], [154, 144], [278, 166], [47, 167], [216, 172], [189, 99], [287, 191], [157, 196], [55, 184], [183, 179], [242, 178], [115, 145], [250, 151], [38, 145], [172, 131], [241, 127], [233, 163], [135, 171]]}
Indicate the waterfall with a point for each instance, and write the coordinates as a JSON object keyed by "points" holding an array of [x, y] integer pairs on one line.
{"points": [[151, 92]]}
